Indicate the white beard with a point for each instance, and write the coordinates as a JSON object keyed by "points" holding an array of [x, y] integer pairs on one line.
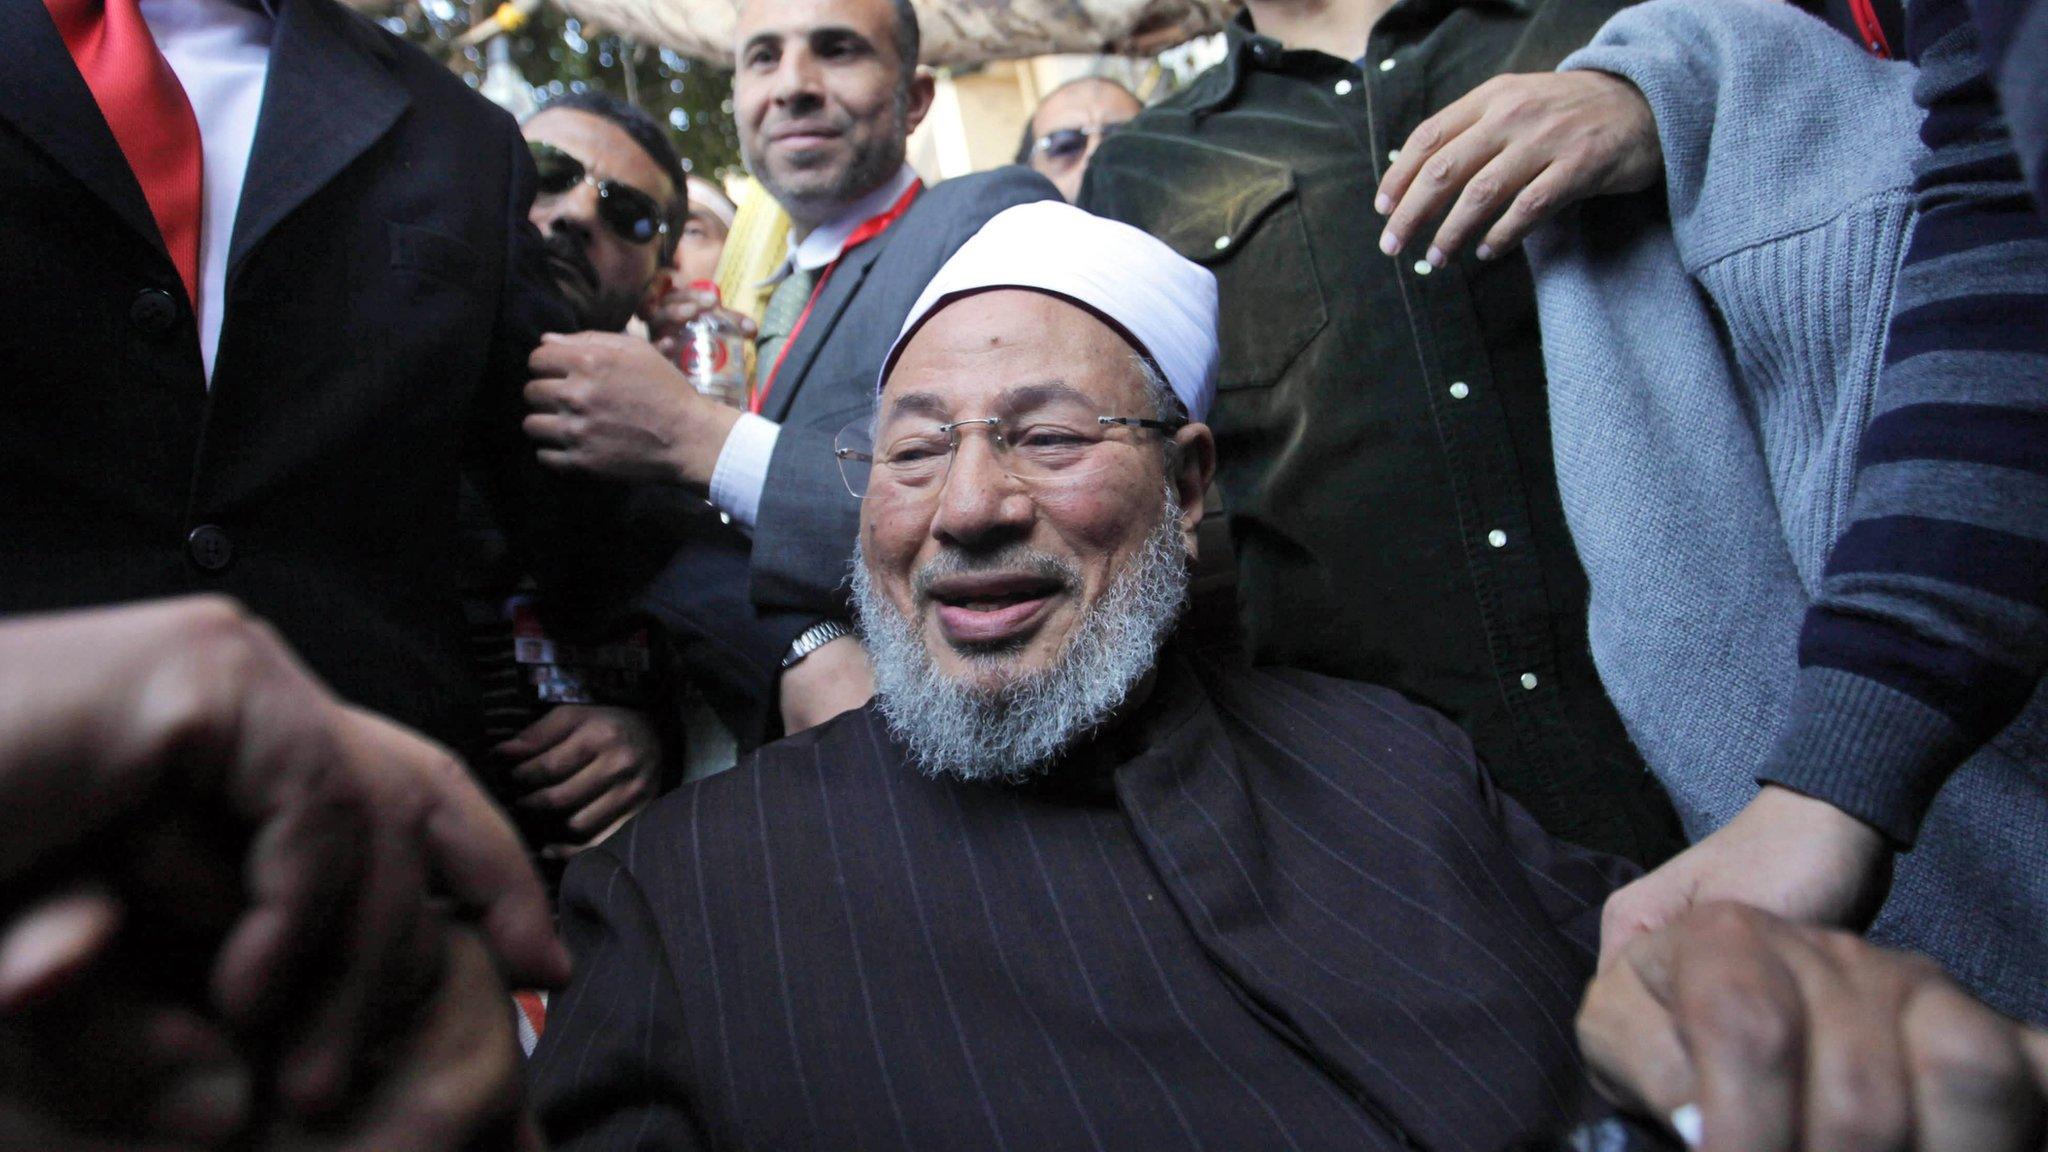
{"points": [[1021, 726]]}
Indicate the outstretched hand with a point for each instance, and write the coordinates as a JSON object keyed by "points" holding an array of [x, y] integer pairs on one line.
{"points": [[1510, 154]]}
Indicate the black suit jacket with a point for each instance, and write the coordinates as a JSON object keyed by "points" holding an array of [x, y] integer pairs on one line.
{"points": [[383, 292], [1270, 910], [736, 604]]}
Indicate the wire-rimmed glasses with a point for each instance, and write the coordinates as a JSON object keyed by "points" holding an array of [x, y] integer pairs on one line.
{"points": [[908, 457]]}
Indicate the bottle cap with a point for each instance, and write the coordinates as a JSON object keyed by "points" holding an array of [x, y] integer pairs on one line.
{"points": [[710, 286]]}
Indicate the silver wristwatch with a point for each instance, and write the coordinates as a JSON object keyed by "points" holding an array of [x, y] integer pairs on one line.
{"points": [[813, 638]]}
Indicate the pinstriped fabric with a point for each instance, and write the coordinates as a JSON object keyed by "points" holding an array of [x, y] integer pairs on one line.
{"points": [[1269, 911]]}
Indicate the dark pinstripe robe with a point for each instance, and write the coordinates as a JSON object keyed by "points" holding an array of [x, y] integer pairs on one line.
{"points": [[1270, 910]]}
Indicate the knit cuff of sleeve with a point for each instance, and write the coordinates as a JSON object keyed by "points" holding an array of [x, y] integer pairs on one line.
{"points": [[1874, 752]]}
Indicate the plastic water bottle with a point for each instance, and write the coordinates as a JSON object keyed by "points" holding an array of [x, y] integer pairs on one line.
{"points": [[713, 352]]}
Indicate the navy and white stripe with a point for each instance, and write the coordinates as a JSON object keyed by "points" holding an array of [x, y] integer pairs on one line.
{"points": [[1283, 911]]}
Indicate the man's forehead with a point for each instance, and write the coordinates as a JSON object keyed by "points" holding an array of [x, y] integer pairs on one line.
{"points": [[776, 18], [1010, 399], [997, 347], [602, 147], [1077, 101]]}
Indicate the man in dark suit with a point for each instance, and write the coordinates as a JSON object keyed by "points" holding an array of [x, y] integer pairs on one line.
{"points": [[1064, 885], [251, 332], [825, 95]]}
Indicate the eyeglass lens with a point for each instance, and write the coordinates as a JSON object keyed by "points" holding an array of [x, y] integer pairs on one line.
{"points": [[1056, 443], [1063, 144], [630, 213]]}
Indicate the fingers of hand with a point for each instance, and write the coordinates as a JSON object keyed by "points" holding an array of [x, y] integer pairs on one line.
{"points": [[1539, 199], [105, 1057], [676, 309], [453, 1080], [1643, 907], [1505, 191], [568, 394], [1423, 144], [392, 952], [1803, 1037], [1972, 1084], [568, 757], [1736, 1010], [544, 733], [300, 871], [46, 947], [550, 433], [1632, 1049], [611, 808], [477, 858], [1857, 1095], [614, 768], [1437, 182]]}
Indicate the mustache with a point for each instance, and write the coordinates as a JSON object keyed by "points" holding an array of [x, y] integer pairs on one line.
{"points": [[1010, 558], [566, 248]]}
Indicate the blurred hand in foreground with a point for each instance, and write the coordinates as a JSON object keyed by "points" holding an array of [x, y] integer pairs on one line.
{"points": [[227, 890], [1760, 1035]]}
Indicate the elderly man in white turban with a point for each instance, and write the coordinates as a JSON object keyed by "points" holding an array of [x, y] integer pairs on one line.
{"points": [[1062, 884]]}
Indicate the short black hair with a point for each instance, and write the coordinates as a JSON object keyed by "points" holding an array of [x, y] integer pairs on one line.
{"points": [[645, 131], [1024, 147], [909, 38]]}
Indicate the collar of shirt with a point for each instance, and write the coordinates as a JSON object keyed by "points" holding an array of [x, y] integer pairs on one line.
{"points": [[1245, 49], [827, 241]]}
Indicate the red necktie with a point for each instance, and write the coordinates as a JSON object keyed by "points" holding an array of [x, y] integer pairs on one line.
{"points": [[146, 107]]}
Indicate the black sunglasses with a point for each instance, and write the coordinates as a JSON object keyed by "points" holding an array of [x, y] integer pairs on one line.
{"points": [[1065, 145], [631, 214]]}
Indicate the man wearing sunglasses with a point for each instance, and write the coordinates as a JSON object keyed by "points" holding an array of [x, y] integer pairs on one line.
{"points": [[610, 203], [825, 93], [1070, 123]]}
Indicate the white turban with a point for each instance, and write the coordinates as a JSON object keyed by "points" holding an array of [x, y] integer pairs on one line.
{"points": [[1163, 303]]}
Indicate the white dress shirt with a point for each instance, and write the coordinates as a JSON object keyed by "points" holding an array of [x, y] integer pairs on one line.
{"points": [[220, 50], [741, 473]]}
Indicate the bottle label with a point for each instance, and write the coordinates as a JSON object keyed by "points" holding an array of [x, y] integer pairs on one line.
{"points": [[705, 357]]}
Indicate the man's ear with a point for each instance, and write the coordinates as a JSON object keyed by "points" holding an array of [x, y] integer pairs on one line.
{"points": [[923, 89], [1194, 459]]}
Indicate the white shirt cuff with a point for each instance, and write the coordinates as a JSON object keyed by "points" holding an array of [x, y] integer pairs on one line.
{"points": [[742, 469]]}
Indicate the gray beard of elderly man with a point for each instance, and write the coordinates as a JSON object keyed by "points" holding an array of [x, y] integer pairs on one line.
{"points": [[1022, 725]]}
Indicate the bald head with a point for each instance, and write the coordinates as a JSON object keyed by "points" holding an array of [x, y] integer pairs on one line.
{"points": [[1064, 132]]}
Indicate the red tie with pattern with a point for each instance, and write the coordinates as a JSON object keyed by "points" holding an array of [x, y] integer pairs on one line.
{"points": [[146, 107]]}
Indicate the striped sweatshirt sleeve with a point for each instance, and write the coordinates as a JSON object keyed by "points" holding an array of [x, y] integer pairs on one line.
{"points": [[1930, 632]]}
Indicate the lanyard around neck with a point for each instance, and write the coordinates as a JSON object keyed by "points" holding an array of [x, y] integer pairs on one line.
{"points": [[874, 226]]}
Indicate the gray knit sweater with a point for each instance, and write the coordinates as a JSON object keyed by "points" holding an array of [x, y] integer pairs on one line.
{"points": [[1714, 350]]}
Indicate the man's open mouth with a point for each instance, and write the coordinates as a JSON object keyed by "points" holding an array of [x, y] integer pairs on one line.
{"points": [[993, 608]]}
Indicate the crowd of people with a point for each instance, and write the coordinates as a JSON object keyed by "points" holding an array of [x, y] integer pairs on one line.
{"points": [[1614, 438]]}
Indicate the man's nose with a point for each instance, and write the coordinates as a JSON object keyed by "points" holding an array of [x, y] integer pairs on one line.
{"points": [[979, 501], [573, 211], [797, 81]]}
